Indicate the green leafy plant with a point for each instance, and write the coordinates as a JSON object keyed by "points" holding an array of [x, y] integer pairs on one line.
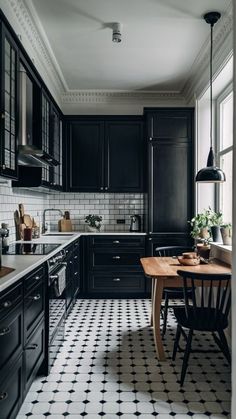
{"points": [[205, 220], [216, 218], [199, 222], [94, 221]]}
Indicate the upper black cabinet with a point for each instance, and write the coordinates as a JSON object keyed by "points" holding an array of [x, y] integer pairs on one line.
{"points": [[56, 140], [124, 156], [85, 163], [170, 157], [9, 104], [105, 155]]}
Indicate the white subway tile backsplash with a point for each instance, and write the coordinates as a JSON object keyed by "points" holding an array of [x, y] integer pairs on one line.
{"points": [[109, 205]]}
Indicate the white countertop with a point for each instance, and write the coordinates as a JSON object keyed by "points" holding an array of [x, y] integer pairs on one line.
{"points": [[24, 264]]}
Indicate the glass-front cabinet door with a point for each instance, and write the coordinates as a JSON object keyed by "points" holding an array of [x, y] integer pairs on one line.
{"points": [[9, 105], [56, 140], [45, 136]]}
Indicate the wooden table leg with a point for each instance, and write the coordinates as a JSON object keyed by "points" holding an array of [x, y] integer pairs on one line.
{"points": [[152, 293], [157, 297]]}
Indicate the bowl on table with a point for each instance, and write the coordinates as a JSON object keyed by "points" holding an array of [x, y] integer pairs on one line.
{"points": [[189, 261]]}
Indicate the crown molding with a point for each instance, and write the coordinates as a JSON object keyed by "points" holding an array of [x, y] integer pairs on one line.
{"points": [[108, 96], [27, 22], [31, 36], [198, 79]]}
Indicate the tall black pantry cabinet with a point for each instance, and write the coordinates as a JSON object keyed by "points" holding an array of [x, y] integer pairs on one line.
{"points": [[170, 171]]}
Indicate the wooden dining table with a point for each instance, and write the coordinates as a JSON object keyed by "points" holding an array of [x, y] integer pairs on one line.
{"points": [[163, 272]]}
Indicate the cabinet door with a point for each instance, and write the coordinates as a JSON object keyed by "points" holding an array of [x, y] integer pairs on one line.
{"points": [[45, 129], [56, 149], [170, 173], [86, 144], [124, 156], [9, 105], [11, 389]]}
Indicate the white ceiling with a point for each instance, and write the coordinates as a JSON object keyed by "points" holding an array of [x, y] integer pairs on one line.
{"points": [[160, 41]]}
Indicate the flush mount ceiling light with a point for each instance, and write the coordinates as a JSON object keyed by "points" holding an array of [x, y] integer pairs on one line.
{"points": [[211, 173], [116, 32]]}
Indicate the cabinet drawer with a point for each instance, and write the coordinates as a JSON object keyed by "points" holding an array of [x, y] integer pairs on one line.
{"points": [[11, 392], [34, 278], [10, 299], [11, 336], [117, 282], [122, 258], [34, 307], [117, 241], [34, 354]]}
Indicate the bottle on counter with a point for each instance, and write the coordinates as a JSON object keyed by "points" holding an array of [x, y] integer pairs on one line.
{"points": [[36, 227], [27, 234]]}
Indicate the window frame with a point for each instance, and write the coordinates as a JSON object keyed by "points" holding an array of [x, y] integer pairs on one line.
{"points": [[219, 153]]}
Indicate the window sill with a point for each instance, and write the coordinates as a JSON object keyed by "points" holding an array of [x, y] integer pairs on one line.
{"points": [[222, 252]]}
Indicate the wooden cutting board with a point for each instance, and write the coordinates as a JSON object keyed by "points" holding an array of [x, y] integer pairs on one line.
{"points": [[4, 270], [64, 225]]}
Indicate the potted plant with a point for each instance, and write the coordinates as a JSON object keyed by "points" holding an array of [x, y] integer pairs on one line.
{"points": [[94, 222], [201, 225], [216, 219], [226, 233]]}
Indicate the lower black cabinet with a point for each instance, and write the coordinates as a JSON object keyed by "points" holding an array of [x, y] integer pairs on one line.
{"points": [[33, 355], [117, 283], [113, 266], [22, 340], [11, 336], [11, 391], [72, 274]]}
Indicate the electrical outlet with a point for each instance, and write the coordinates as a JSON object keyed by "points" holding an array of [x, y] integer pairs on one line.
{"points": [[121, 221]]}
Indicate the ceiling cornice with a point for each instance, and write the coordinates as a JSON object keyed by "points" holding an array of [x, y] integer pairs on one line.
{"points": [[30, 29], [102, 96], [198, 79], [31, 26]]}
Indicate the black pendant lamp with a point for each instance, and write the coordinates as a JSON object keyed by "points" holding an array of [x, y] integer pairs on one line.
{"points": [[211, 173]]}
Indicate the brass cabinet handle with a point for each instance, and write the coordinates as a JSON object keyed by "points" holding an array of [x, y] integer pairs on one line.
{"points": [[34, 297], [4, 331], [3, 396]]}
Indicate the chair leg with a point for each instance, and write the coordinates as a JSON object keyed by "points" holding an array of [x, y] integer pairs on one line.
{"points": [[186, 357], [225, 348], [165, 314], [176, 344]]}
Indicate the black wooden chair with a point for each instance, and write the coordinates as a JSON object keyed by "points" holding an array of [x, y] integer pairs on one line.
{"points": [[170, 293], [207, 311]]}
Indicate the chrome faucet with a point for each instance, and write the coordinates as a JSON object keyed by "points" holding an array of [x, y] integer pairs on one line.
{"points": [[44, 226]]}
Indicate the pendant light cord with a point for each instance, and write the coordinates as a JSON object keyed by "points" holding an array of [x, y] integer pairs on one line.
{"points": [[211, 104]]}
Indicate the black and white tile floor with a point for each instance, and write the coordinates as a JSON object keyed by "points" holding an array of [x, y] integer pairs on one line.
{"points": [[108, 368]]}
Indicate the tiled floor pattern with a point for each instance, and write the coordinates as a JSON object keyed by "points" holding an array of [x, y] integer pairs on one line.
{"points": [[108, 368]]}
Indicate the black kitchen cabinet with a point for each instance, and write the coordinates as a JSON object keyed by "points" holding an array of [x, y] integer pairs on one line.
{"points": [[170, 162], [124, 150], [22, 339], [86, 144], [56, 148], [9, 104], [113, 266], [11, 390], [105, 155], [73, 284]]}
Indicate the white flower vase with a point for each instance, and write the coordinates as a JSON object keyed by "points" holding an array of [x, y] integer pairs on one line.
{"points": [[92, 229]]}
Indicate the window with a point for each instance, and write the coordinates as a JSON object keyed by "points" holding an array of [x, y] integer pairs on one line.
{"points": [[225, 152]]}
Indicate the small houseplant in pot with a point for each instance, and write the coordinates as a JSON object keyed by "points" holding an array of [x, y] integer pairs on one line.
{"points": [[216, 220], [201, 225], [93, 222], [226, 233]]}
